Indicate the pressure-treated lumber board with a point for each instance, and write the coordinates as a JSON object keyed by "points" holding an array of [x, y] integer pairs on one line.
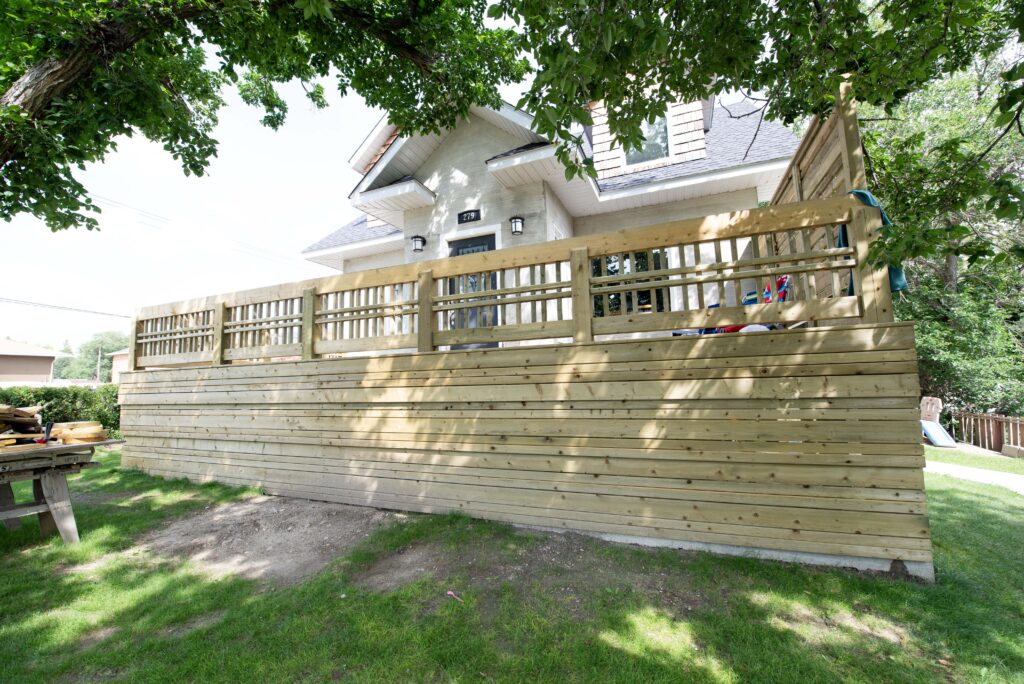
{"points": [[534, 375], [743, 364], [855, 522], [884, 432], [791, 440], [655, 485], [710, 472], [663, 412], [654, 470], [854, 338], [642, 525], [895, 385]]}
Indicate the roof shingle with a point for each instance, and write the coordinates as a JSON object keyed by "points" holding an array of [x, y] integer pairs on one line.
{"points": [[357, 230], [727, 143]]}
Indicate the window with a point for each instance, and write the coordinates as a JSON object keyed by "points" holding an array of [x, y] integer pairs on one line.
{"points": [[655, 142]]}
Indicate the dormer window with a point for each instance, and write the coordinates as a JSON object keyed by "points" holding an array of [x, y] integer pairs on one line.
{"points": [[655, 143]]}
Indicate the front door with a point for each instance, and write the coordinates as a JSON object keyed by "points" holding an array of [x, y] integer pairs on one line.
{"points": [[472, 317]]}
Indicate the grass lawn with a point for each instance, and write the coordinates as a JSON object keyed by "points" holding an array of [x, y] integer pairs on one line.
{"points": [[595, 612], [1003, 464]]}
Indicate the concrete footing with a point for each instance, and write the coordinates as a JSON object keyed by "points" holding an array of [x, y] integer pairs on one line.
{"points": [[919, 569]]}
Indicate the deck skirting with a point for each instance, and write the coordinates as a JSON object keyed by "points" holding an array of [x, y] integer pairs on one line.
{"points": [[797, 445]]}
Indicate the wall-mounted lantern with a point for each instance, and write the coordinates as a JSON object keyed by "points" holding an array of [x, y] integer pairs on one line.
{"points": [[518, 223], [418, 243]]}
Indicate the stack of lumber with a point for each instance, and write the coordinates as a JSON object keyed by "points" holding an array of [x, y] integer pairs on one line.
{"points": [[21, 427], [79, 432], [18, 423]]}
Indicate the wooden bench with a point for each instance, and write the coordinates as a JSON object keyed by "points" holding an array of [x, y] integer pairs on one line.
{"points": [[48, 468]]}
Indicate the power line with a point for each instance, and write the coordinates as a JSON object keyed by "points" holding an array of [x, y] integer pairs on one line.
{"points": [[62, 308], [162, 223]]}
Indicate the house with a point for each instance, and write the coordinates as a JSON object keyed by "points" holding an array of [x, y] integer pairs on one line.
{"points": [[492, 182], [118, 364], [26, 363]]}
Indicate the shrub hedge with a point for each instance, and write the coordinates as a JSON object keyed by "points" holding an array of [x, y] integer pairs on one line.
{"points": [[64, 404]]}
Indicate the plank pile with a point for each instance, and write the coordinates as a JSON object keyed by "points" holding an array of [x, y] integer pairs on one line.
{"points": [[21, 429], [18, 423]]}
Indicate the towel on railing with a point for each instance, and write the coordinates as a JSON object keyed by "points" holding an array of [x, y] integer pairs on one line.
{"points": [[897, 279]]}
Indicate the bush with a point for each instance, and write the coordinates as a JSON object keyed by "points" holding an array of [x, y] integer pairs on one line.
{"points": [[65, 404], [968, 355]]}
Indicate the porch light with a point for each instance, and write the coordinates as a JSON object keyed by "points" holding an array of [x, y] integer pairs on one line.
{"points": [[418, 243], [518, 223]]}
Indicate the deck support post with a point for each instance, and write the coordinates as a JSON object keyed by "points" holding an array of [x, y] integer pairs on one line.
{"points": [[133, 346], [219, 312], [425, 315], [582, 302], [308, 324], [870, 282]]}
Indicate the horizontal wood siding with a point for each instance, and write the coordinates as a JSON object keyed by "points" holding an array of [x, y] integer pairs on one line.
{"points": [[802, 441]]}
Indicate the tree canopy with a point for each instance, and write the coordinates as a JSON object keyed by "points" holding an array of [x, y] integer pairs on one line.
{"points": [[91, 355], [76, 75], [966, 295]]}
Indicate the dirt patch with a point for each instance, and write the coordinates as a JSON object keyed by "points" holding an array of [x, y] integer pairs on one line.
{"points": [[97, 498], [201, 622], [411, 564], [96, 636], [276, 539], [563, 567]]}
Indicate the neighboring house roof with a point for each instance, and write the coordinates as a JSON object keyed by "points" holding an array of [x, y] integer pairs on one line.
{"points": [[357, 230], [119, 352], [726, 147], [9, 347]]}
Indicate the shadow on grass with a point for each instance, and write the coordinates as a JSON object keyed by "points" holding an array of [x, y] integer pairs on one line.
{"points": [[55, 597], [146, 619]]}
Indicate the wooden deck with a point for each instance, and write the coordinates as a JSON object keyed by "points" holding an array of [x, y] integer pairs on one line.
{"points": [[801, 443]]}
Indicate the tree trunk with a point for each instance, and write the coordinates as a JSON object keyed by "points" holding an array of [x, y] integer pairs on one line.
{"points": [[43, 82], [53, 77], [951, 272]]}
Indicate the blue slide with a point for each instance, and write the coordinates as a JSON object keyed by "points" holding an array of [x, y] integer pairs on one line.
{"points": [[936, 434]]}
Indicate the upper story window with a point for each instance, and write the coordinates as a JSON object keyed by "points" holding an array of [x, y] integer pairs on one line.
{"points": [[655, 143]]}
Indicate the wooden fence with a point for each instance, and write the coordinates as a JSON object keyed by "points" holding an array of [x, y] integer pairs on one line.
{"points": [[1004, 434], [753, 266]]}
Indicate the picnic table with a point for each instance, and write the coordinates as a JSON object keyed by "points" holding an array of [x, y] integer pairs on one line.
{"points": [[48, 467]]}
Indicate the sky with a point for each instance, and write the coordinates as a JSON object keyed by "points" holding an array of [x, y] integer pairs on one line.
{"points": [[165, 237]]}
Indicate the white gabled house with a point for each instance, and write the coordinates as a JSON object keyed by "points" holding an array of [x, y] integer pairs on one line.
{"points": [[430, 196]]}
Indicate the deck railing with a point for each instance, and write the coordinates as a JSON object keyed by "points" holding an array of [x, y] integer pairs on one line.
{"points": [[753, 266], [992, 432]]}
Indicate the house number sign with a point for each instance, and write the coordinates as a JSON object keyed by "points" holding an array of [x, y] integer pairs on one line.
{"points": [[469, 216]]}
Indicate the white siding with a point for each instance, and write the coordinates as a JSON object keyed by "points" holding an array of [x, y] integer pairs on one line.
{"points": [[456, 172], [660, 213], [382, 260], [560, 221]]}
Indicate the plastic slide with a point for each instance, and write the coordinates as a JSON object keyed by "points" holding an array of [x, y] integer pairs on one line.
{"points": [[936, 434]]}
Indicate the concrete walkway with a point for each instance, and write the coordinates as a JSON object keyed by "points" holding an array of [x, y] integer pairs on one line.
{"points": [[1014, 483]]}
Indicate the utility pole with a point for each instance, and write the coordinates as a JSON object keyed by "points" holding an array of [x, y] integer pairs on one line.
{"points": [[99, 356]]}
